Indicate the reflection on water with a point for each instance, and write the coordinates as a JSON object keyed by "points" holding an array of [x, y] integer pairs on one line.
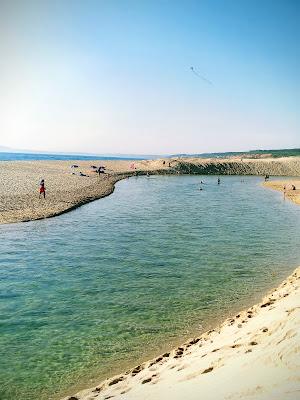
{"points": [[86, 293]]}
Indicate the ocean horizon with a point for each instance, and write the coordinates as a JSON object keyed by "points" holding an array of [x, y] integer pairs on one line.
{"points": [[16, 156]]}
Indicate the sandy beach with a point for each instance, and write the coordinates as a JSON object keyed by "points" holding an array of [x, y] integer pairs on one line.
{"points": [[19, 183], [286, 187], [19, 180], [253, 355]]}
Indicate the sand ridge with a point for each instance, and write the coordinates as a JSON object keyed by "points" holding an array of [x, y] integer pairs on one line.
{"points": [[253, 355]]}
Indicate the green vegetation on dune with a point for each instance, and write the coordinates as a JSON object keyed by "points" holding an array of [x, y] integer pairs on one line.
{"points": [[251, 154], [278, 153]]}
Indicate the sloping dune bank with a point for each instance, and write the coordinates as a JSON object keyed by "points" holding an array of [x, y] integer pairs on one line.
{"points": [[253, 355], [288, 166], [279, 167], [66, 189]]}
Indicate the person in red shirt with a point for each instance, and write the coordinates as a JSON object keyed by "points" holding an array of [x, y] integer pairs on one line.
{"points": [[42, 189]]}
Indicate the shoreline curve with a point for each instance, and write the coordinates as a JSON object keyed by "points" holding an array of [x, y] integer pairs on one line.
{"points": [[265, 334]]}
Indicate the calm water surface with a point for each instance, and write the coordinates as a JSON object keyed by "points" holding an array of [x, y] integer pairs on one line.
{"points": [[85, 294], [5, 156]]}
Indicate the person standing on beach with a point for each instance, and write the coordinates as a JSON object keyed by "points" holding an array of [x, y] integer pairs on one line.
{"points": [[42, 189]]}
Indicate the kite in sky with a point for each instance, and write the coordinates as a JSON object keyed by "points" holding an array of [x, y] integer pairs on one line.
{"points": [[194, 71]]}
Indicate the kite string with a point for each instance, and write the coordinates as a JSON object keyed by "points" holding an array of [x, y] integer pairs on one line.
{"points": [[200, 76]]}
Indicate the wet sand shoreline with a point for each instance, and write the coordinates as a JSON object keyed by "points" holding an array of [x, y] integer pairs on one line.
{"points": [[285, 186], [264, 336]]}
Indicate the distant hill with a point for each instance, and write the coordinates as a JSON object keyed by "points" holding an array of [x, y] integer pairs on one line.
{"points": [[278, 153], [249, 154]]}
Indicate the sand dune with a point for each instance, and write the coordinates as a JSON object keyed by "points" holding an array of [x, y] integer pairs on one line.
{"points": [[253, 355], [280, 166]]}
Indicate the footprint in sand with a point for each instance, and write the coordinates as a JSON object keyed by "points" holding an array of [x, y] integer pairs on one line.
{"points": [[182, 368], [268, 303], [116, 380], [146, 380], [97, 390], [126, 390], [152, 379], [207, 370], [253, 343], [179, 352], [136, 370], [194, 341], [196, 374]]}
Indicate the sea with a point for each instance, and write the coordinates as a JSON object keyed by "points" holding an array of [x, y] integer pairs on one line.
{"points": [[6, 156]]}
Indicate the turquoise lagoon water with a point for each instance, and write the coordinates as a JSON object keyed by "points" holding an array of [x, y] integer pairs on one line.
{"points": [[88, 293]]}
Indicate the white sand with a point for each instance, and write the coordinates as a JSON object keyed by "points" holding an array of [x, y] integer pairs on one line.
{"points": [[254, 355]]}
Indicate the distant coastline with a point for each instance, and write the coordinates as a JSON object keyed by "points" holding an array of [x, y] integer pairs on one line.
{"points": [[12, 154], [16, 156]]}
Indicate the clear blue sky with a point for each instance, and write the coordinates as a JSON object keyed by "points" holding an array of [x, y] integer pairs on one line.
{"points": [[114, 76]]}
